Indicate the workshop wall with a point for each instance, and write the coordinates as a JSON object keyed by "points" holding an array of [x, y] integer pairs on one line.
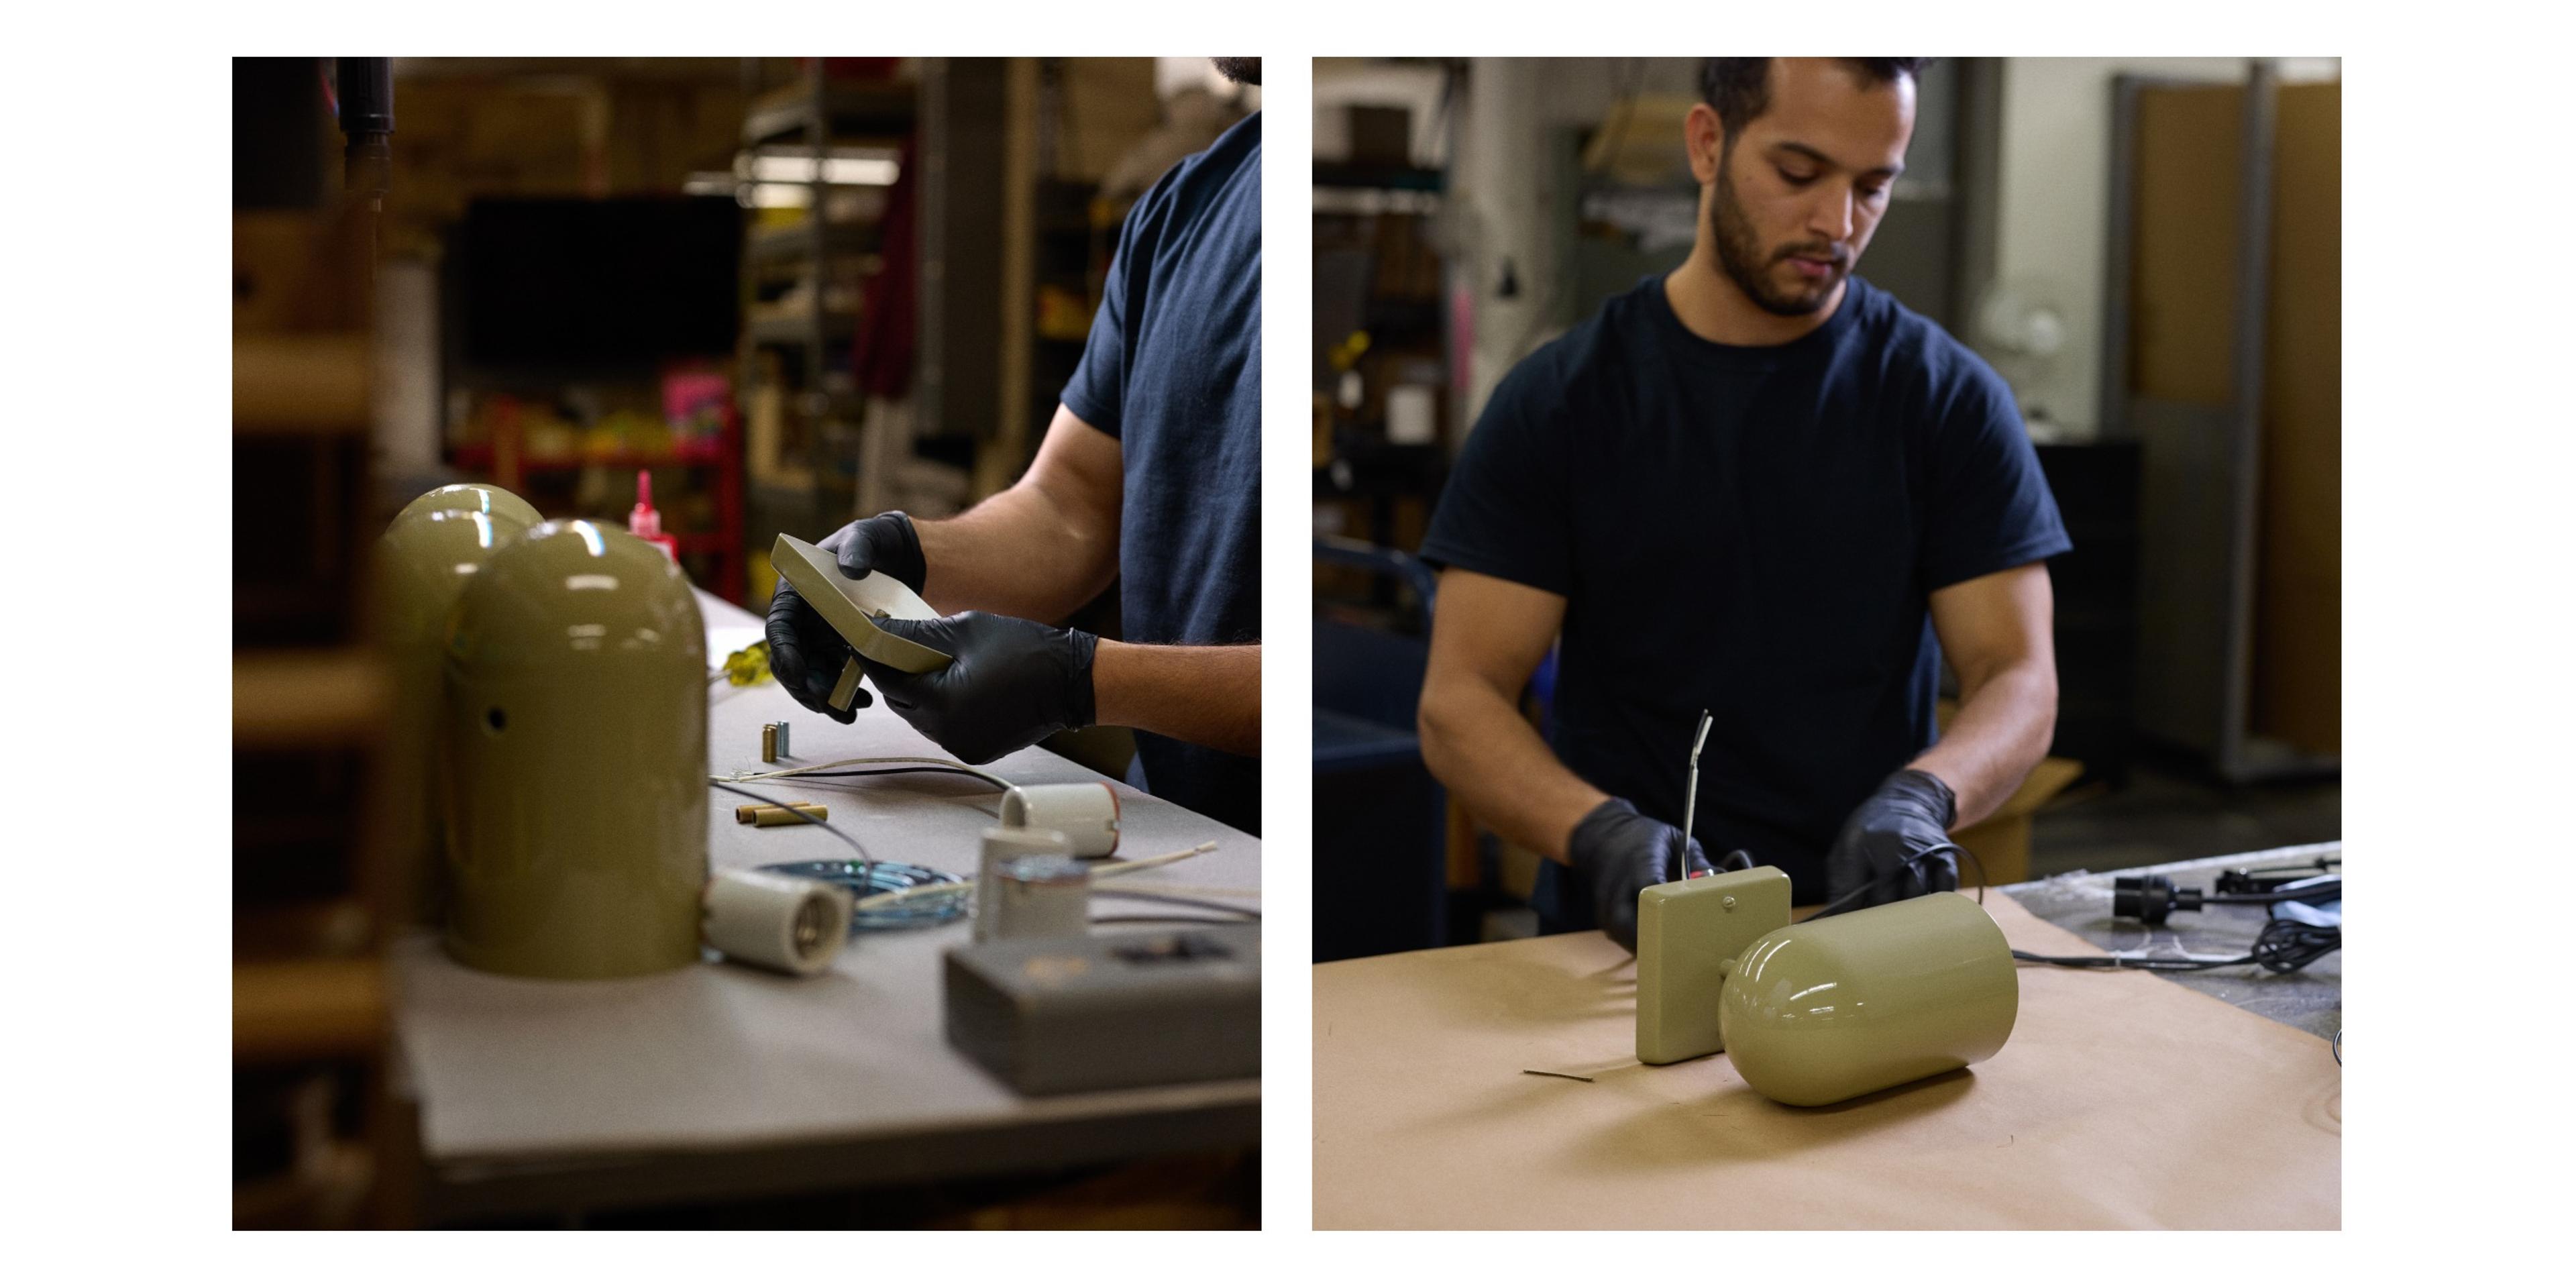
{"points": [[2052, 199]]}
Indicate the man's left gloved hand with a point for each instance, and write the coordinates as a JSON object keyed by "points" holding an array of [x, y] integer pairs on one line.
{"points": [[1892, 847], [1012, 683]]}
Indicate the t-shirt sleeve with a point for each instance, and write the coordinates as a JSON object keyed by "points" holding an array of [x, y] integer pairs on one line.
{"points": [[1990, 504], [1098, 391], [1506, 510]]}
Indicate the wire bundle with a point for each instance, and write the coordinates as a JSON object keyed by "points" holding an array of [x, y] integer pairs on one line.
{"points": [[902, 896], [2283, 946]]}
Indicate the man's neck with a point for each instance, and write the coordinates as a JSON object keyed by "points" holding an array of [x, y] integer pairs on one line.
{"points": [[1712, 307]]}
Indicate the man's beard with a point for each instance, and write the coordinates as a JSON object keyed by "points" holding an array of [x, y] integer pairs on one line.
{"points": [[1242, 71], [1740, 255]]}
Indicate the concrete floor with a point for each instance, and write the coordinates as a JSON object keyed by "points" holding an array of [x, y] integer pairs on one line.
{"points": [[2171, 811]]}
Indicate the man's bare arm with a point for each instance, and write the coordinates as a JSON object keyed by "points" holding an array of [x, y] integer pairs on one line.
{"points": [[1487, 637], [1996, 632], [1209, 696], [1042, 547]]}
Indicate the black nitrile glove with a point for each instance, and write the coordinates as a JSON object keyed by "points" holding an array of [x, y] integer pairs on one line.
{"points": [[1618, 852], [1012, 683], [1895, 845], [805, 653]]}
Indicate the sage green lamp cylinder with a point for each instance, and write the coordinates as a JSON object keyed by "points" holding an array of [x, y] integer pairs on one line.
{"points": [[422, 563], [473, 498], [576, 723], [1828, 1009]]}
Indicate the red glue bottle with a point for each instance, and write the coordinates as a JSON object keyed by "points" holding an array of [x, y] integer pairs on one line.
{"points": [[645, 521]]}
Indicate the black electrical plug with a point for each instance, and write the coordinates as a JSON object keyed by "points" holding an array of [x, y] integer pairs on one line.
{"points": [[2151, 899]]}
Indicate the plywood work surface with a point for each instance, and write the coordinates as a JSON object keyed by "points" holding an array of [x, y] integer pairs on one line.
{"points": [[2121, 1101]]}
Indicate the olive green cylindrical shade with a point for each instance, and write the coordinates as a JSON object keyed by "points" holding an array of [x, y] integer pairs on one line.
{"points": [[473, 498], [422, 563], [1829, 1009], [576, 723]]}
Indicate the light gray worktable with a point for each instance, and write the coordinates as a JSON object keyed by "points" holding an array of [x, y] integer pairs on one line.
{"points": [[723, 1081]]}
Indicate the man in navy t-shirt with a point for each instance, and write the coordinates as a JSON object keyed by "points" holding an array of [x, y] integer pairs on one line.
{"points": [[1151, 475], [1761, 488]]}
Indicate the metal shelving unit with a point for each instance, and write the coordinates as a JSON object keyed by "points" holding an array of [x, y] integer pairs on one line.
{"points": [[809, 337]]}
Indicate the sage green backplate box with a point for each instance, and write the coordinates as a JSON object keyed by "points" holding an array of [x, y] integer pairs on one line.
{"points": [[1686, 930], [853, 607], [576, 723]]}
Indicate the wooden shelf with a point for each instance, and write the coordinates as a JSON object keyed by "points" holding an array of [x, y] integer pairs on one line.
{"points": [[477, 457], [313, 1009], [796, 242], [781, 116], [301, 384], [304, 698], [781, 329]]}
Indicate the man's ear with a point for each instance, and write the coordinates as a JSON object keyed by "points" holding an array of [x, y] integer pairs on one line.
{"points": [[1701, 133]]}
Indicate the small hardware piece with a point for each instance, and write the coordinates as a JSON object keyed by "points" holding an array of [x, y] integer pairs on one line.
{"points": [[779, 815], [846, 689], [769, 744], [783, 752]]}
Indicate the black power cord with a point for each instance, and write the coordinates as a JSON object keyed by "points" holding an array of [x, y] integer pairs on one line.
{"points": [[1907, 869], [2152, 899]]}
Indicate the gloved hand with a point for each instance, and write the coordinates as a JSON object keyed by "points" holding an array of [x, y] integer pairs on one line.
{"points": [[1886, 849], [805, 653], [1012, 683], [1617, 852]]}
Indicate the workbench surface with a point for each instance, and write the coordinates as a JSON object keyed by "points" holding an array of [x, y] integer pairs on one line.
{"points": [[2121, 1100], [721, 1080]]}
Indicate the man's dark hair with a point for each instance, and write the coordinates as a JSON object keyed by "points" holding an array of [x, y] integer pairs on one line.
{"points": [[1740, 88]]}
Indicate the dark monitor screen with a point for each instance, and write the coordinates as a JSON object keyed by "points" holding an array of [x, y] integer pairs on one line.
{"points": [[620, 283]]}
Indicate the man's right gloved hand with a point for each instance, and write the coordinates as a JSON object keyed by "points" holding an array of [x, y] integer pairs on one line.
{"points": [[805, 653], [1618, 852]]}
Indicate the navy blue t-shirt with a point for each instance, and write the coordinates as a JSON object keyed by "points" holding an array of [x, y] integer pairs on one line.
{"points": [[1753, 531], [1173, 370]]}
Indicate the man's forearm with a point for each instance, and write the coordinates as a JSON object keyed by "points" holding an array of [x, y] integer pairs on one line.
{"points": [[2001, 731], [1479, 746], [1018, 554], [1210, 696]]}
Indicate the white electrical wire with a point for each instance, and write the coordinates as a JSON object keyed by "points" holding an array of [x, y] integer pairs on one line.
{"points": [[1690, 799], [1115, 884], [968, 885], [802, 771]]}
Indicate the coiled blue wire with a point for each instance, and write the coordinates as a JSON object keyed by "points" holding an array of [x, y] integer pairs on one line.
{"points": [[863, 879]]}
